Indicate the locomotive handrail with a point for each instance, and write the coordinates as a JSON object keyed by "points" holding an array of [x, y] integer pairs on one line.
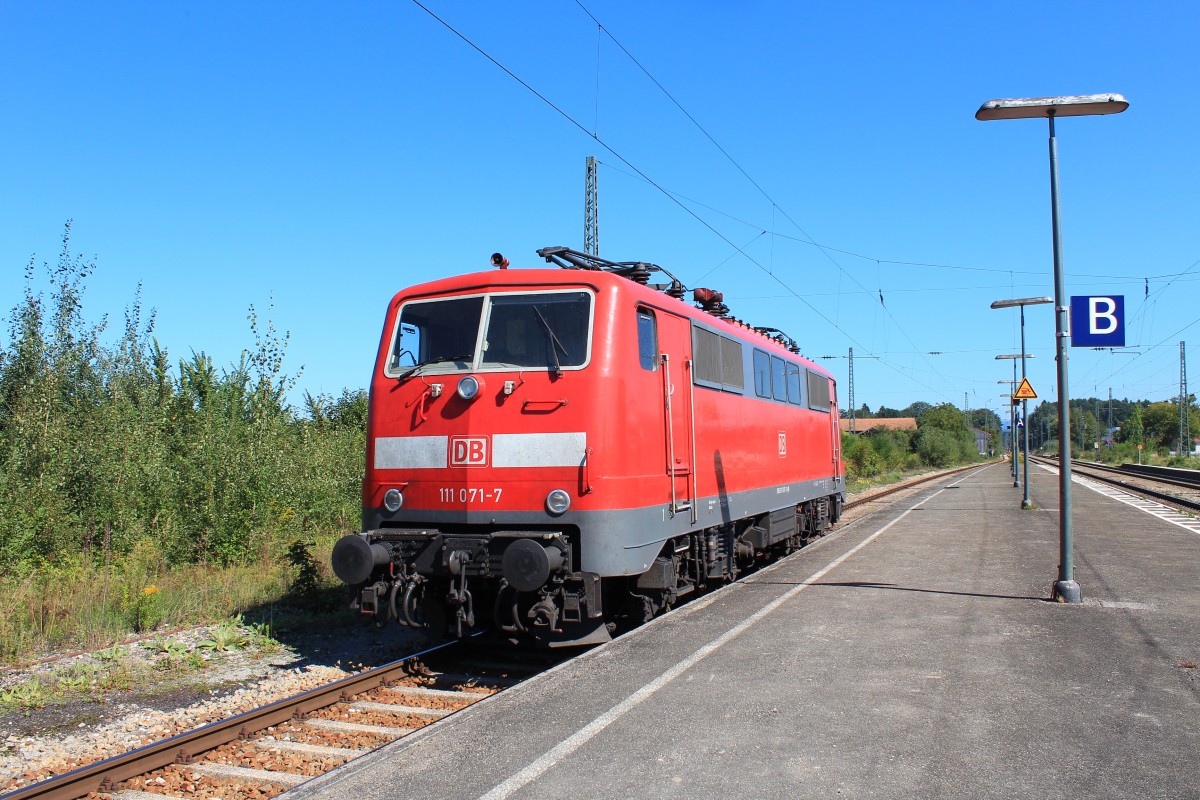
{"points": [[585, 481], [556, 405]]}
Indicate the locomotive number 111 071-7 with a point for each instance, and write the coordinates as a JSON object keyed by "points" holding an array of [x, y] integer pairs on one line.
{"points": [[449, 494]]}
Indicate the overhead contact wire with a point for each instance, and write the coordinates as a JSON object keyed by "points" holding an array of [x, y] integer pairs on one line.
{"points": [[653, 183]]}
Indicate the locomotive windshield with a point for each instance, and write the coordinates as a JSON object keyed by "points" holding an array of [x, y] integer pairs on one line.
{"points": [[537, 330], [545, 330], [436, 331]]}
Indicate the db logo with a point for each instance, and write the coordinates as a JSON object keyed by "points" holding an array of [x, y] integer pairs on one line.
{"points": [[782, 444], [468, 451]]}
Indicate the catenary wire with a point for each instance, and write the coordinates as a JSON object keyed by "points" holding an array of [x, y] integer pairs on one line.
{"points": [[774, 204], [653, 183]]}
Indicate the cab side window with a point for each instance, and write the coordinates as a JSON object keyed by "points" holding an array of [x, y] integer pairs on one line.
{"points": [[647, 331]]}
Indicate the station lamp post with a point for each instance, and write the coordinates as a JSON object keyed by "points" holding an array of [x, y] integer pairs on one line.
{"points": [[1012, 422], [1015, 357], [1065, 590], [1026, 503]]}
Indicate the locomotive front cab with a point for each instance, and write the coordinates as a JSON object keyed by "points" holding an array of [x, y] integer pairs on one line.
{"points": [[477, 461]]}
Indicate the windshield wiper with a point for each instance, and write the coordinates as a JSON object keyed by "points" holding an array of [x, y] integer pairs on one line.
{"points": [[468, 357], [555, 344]]}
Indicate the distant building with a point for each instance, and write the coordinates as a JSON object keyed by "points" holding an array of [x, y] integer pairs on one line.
{"points": [[981, 441], [888, 423]]}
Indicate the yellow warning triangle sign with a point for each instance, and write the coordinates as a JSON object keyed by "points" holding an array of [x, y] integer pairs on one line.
{"points": [[1025, 391]]}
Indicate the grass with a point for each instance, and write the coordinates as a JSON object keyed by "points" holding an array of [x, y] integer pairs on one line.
{"points": [[119, 667], [854, 485], [73, 607], [69, 682]]}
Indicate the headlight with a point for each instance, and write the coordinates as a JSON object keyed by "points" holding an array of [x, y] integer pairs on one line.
{"points": [[557, 502], [469, 387], [392, 500]]}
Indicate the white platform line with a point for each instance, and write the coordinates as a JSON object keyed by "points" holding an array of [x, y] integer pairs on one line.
{"points": [[572, 743], [1165, 513]]}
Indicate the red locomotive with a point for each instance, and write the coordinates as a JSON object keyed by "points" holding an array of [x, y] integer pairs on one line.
{"points": [[553, 451]]}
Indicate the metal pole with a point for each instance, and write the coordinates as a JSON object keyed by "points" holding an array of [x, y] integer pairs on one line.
{"points": [[1013, 426], [1065, 590], [1026, 502], [591, 210]]}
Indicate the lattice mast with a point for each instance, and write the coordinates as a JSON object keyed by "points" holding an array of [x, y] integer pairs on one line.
{"points": [[851, 382], [1185, 427], [591, 211]]}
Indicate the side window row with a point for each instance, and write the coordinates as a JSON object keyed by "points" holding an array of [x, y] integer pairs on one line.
{"points": [[718, 365], [779, 379]]}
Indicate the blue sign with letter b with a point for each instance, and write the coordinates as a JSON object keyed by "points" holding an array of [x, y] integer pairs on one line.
{"points": [[1098, 321]]}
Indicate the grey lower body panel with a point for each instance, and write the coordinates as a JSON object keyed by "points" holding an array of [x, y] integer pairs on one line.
{"points": [[625, 541]]}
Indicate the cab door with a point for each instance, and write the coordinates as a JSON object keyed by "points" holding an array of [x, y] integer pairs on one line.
{"points": [[835, 430], [678, 435]]}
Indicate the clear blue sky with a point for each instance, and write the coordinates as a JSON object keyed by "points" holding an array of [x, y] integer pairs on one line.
{"points": [[324, 156]]}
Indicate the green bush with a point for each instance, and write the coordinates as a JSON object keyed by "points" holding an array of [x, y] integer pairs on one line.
{"points": [[943, 439], [113, 449], [937, 447]]}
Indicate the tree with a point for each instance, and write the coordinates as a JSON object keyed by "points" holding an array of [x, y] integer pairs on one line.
{"points": [[944, 417], [1084, 428], [1161, 422], [943, 437], [1132, 431], [984, 419]]}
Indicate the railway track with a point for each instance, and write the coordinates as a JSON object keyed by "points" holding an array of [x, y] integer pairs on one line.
{"points": [[263, 752], [1186, 478], [1134, 480], [878, 494]]}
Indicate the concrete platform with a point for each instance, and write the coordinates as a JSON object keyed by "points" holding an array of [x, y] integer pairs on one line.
{"points": [[912, 654]]}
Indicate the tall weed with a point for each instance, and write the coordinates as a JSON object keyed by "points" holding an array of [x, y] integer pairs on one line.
{"points": [[123, 469]]}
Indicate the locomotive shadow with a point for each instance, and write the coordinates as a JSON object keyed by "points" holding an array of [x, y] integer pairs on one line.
{"points": [[320, 629], [722, 492]]}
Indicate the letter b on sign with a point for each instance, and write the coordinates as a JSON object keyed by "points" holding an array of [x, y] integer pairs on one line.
{"points": [[1098, 321]]}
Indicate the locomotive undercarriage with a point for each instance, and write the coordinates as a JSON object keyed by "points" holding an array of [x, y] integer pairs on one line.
{"points": [[702, 560], [524, 584]]}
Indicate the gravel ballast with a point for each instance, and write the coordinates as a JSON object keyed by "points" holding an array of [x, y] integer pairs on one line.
{"points": [[168, 695]]}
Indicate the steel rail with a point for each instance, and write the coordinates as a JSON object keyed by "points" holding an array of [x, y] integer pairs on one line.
{"points": [[1093, 472], [1146, 473], [1167, 475], [103, 776], [1174, 475]]}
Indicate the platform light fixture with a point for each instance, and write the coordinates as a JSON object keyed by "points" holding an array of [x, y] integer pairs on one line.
{"points": [[1066, 589], [1026, 503]]}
